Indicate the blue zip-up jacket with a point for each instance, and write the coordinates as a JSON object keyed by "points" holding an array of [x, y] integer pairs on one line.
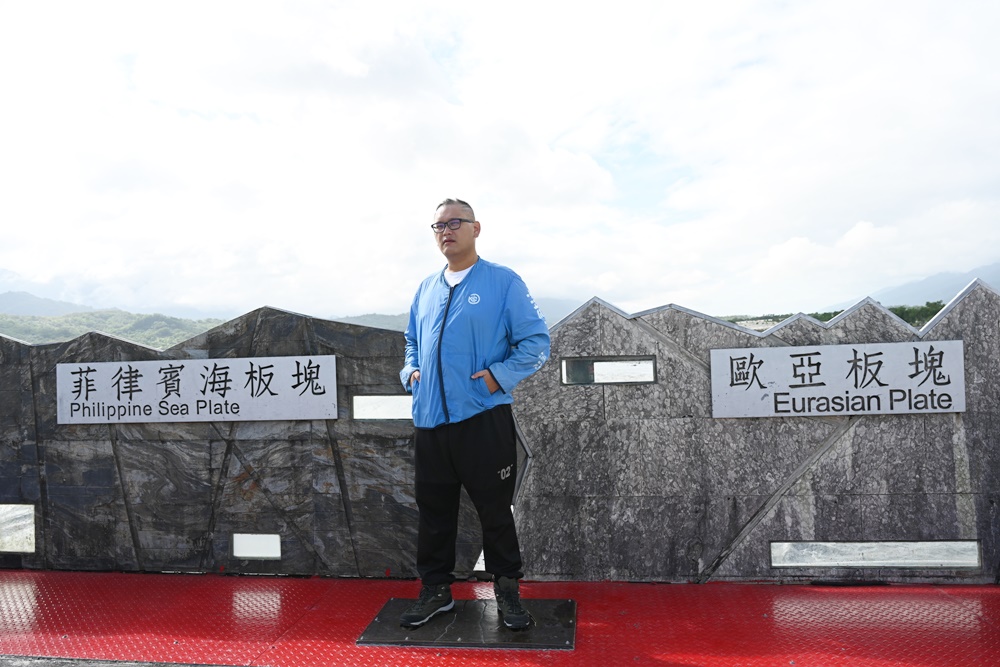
{"points": [[487, 321]]}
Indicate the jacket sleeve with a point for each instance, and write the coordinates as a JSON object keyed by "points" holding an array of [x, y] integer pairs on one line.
{"points": [[528, 338], [411, 360]]}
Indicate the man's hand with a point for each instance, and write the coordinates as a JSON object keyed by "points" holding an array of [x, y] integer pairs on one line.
{"points": [[491, 384], [414, 377]]}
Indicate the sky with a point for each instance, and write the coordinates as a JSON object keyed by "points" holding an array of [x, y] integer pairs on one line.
{"points": [[729, 157]]}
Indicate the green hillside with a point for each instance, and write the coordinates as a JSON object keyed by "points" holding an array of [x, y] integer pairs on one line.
{"points": [[157, 331]]}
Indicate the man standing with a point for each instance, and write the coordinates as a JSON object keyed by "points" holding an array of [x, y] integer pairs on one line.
{"points": [[474, 333]]}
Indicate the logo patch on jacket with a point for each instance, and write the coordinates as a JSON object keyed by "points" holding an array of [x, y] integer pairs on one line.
{"points": [[473, 299]]}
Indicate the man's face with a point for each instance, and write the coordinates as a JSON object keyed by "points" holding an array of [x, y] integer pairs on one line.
{"points": [[456, 243]]}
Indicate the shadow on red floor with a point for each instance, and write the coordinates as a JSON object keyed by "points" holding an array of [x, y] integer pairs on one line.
{"points": [[218, 620]]}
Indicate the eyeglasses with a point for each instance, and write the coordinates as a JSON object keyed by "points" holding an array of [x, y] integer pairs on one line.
{"points": [[452, 224]]}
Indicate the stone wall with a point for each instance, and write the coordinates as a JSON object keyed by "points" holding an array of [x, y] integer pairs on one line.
{"points": [[623, 482], [168, 497], [639, 482]]}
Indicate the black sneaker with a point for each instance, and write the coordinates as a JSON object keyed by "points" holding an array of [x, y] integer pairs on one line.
{"points": [[508, 597], [433, 600]]}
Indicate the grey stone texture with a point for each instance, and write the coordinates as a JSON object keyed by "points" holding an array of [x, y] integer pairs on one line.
{"points": [[639, 482], [168, 497], [615, 482]]}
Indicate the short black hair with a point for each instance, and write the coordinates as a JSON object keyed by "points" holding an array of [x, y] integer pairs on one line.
{"points": [[450, 201]]}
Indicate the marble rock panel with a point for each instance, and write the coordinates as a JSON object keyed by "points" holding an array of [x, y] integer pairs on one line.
{"points": [[541, 399], [725, 516], [250, 335], [164, 431], [922, 458], [16, 421], [867, 324], [982, 446], [384, 509], [700, 335], [165, 472], [670, 460], [565, 537], [578, 336], [80, 463], [988, 529], [382, 464], [976, 321], [272, 430], [335, 552], [850, 465], [587, 459], [30, 483], [546, 452], [325, 479], [689, 386], [882, 454], [682, 389], [625, 336], [755, 456], [802, 331], [80, 529], [331, 540], [378, 536], [19, 478], [910, 516], [275, 454], [190, 543], [655, 538], [171, 560], [10, 481], [350, 429], [248, 506], [806, 331], [352, 340], [823, 518], [330, 511], [370, 371], [750, 559], [903, 453], [15, 365]]}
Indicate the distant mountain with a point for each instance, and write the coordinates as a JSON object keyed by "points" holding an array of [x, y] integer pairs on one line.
{"points": [[392, 322], [22, 303], [553, 310], [939, 287]]}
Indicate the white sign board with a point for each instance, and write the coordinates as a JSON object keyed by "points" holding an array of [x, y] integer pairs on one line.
{"points": [[197, 390], [839, 380]]}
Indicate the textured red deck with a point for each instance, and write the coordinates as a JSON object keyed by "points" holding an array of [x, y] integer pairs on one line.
{"points": [[212, 619]]}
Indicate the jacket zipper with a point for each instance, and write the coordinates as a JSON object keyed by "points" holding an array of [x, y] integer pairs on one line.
{"points": [[444, 320]]}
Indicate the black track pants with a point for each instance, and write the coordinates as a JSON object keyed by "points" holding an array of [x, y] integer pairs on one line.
{"points": [[479, 453]]}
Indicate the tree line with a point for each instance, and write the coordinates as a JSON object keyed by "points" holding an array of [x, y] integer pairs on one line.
{"points": [[916, 316]]}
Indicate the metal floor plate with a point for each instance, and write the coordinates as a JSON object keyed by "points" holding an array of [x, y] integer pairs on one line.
{"points": [[97, 618], [476, 624]]}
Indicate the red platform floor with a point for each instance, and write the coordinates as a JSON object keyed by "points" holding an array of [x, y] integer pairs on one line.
{"points": [[299, 622]]}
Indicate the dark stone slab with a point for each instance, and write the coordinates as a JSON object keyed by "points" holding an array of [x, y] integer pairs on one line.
{"points": [[476, 624]]}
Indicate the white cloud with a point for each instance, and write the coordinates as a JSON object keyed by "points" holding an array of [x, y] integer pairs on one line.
{"points": [[731, 157]]}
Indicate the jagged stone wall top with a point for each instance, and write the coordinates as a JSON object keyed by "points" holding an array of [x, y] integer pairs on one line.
{"points": [[626, 482], [639, 482]]}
